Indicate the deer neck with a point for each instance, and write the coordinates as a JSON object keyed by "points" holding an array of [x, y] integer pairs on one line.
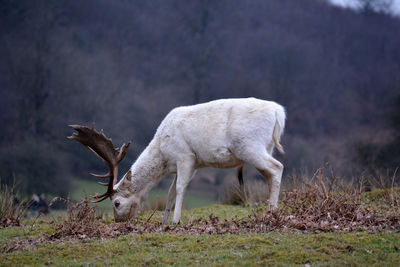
{"points": [[148, 169]]}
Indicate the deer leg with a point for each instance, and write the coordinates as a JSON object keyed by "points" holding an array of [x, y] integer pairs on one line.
{"points": [[170, 201], [269, 167], [240, 177], [185, 172], [272, 172]]}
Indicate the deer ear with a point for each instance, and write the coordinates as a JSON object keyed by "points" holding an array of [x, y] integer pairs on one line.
{"points": [[126, 180], [128, 176]]}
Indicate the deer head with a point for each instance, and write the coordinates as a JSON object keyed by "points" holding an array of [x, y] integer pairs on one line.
{"points": [[124, 203]]}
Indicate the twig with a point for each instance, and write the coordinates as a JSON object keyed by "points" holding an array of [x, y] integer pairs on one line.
{"points": [[148, 219], [392, 189], [332, 181]]}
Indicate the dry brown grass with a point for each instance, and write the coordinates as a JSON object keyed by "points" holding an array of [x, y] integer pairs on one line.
{"points": [[323, 204], [158, 203], [386, 190], [317, 205], [81, 221], [11, 210], [252, 192], [320, 204]]}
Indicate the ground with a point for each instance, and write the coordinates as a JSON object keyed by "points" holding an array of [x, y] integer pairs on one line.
{"points": [[314, 229], [272, 248]]}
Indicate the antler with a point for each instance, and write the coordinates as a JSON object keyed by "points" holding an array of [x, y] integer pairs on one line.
{"points": [[102, 147]]}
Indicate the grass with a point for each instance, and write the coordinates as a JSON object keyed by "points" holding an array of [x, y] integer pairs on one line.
{"points": [[30, 244], [85, 188], [228, 212], [193, 198], [11, 210], [272, 248], [253, 191], [387, 194]]}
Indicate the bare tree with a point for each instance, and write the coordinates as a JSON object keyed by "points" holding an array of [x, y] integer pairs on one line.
{"points": [[369, 6]]}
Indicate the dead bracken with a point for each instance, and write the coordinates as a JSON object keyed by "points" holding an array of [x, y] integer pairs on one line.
{"points": [[314, 208], [11, 209]]}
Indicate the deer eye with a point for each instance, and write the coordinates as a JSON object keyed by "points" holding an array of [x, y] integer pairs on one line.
{"points": [[116, 203]]}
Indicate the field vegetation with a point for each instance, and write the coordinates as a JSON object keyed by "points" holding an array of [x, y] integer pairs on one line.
{"points": [[318, 223]]}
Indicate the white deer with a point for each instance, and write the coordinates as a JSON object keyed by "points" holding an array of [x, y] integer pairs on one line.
{"points": [[223, 133]]}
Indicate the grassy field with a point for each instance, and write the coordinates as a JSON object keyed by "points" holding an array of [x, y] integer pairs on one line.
{"points": [[193, 198], [309, 229], [360, 248]]}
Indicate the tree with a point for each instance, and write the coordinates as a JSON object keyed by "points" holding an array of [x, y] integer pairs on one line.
{"points": [[372, 6]]}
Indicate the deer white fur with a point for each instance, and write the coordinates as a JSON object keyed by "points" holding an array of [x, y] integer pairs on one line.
{"points": [[223, 133]]}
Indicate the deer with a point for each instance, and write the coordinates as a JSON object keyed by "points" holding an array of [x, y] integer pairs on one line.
{"points": [[224, 133]]}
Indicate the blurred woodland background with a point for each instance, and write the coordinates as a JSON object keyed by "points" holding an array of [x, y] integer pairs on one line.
{"points": [[124, 64]]}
